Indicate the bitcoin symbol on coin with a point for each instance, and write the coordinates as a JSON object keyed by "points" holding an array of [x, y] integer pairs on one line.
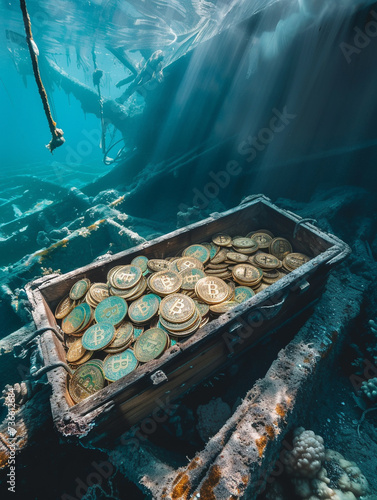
{"points": [[177, 307], [167, 281], [120, 364], [127, 277], [213, 289], [143, 307]]}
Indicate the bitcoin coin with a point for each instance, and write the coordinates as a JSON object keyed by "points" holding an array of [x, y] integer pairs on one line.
{"points": [[180, 327], [87, 321], [263, 239], [75, 351], [144, 309], [112, 271], [64, 307], [138, 331], [98, 292], [243, 293], [165, 282], [266, 261], [236, 257], [294, 260], [202, 308], [220, 256], [140, 261], [212, 290], [112, 310], [224, 307], [245, 243], [86, 381], [123, 336], [126, 277], [79, 289], [150, 345], [84, 359], [247, 274], [74, 320], [199, 252], [177, 308], [98, 336], [190, 277], [156, 265], [188, 263], [280, 247], [116, 366], [222, 240]]}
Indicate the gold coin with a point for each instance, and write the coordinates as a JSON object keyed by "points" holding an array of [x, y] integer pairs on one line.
{"points": [[295, 260], [220, 256], [64, 307], [222, 240], [266, 231], [83, 360], [280, 247], [177, 308], [266, 261], [236, 257], [263, 239], [245, 243], [87, 380], [75, 351], [123, 336], [212, 290], [98, 292], [151, 344], [111, 272], [224, 307], [165, 282], [188, 263], [156, 265], [246, 273]]}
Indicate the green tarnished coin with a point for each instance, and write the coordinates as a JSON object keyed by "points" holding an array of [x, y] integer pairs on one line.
{"points": [[79, 289], [190, 277], [144, 309], [202, 308], [116, 366], [87, 380], [198, 251], [138, 332], [245, 243], [140, 261], [126, 277], [88, 317], [74, 320], [112, 310], [123, 336], [98, 336], [150, 344], [242, 293]]}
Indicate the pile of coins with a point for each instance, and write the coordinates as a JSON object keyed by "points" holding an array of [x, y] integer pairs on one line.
{"points": [[148, 305]]}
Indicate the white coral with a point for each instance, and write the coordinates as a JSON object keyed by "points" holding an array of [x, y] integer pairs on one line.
{"points": [[307, 455]]}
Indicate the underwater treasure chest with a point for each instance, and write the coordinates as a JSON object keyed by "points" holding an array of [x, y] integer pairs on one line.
{"points": [[153, 321]]}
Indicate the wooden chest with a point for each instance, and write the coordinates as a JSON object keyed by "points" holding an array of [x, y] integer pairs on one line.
{"points": [[114, 409]]}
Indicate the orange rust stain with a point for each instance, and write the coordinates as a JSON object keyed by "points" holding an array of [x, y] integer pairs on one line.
{"points": [[182, 486], [280, 410], [261, 444], [94, 226], [193, 464], [307, 360], [245, 479], [213, 479], [270, 431]]}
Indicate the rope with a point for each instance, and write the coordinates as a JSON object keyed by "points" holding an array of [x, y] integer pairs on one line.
{"points": [[56, 133]]}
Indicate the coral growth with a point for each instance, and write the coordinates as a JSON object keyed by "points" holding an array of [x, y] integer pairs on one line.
{"points": [[307, 455], [318, 474], [369, 389]]}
